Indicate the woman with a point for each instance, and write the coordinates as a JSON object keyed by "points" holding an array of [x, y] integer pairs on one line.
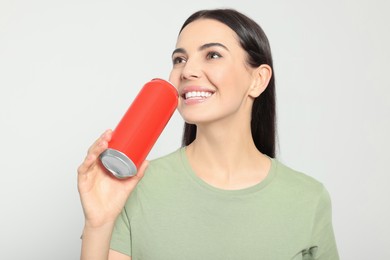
{"points": [[222, 195]]}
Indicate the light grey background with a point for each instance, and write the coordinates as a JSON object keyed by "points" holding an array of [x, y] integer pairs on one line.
{"points": [[70, 69]]}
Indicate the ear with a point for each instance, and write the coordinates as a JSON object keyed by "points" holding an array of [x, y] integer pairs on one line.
{"points": [[261, 78]]}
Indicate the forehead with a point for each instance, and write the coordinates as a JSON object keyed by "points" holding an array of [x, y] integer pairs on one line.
{"points": [[203, 31]]}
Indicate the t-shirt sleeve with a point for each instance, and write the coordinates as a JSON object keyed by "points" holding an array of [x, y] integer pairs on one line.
{"points": [[323, 235], [121, 239], [121, 235]]}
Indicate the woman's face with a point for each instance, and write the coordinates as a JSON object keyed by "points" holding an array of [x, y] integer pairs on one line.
{"points": [[211, 73]]}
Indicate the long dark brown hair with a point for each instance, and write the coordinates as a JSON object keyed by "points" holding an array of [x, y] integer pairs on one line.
{"points": [[254, 41]]}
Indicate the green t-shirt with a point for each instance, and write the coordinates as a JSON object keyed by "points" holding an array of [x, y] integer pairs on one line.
{"points": [[173, 214]]}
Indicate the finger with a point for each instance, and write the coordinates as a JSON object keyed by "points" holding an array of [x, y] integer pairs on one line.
{"points": [[142, 169], [98, 149], [95, 150], [89, 160], [133, 181], [106, 137]]}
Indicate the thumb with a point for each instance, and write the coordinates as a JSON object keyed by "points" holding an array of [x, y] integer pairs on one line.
{"points": [[142, 170], [133, 181]]}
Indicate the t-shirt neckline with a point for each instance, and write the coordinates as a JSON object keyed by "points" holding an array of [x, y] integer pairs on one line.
{"points": [[254, 188]]}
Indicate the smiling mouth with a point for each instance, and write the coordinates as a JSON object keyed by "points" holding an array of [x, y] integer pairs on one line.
{"points": [[197, 95]]}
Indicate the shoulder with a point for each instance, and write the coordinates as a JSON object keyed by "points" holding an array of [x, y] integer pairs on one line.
{"points": [[293, 182], [169, 160], [163, 170], [170, 164], [160, 176], [295, 176]]}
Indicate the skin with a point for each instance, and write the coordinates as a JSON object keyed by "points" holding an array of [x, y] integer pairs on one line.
{"points": [[223, 153], [102, 198]]}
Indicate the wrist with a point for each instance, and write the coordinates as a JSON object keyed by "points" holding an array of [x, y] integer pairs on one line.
{"points": [[97, 231], [98, 227], [96, 240]]}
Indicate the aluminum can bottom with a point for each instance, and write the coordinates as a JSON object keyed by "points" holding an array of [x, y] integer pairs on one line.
{"points": [[118, 163]]}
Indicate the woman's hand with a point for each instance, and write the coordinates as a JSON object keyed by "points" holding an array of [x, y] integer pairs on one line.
{"points": [[102, 195]]}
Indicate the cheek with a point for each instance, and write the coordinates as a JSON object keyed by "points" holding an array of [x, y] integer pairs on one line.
{"points": [[224, 78], [174, 77], [220, 76]]}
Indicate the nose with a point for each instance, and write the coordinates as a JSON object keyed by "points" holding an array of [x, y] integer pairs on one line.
{"points": [[191, 70]]}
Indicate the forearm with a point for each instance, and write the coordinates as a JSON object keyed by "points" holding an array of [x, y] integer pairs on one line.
{"points": [[96, 242]]}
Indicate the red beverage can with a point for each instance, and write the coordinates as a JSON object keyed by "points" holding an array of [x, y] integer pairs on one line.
{"points": [[139, 128]]}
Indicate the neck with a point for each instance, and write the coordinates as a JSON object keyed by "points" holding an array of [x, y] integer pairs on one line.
{"points": [[223, 145], [226, 156]]}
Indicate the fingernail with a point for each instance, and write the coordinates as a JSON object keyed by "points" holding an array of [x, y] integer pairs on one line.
{"points": [[106, 132]]}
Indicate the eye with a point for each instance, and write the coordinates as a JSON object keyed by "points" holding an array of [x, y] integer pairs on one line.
{"points": [[213, 55], [178, 60]]}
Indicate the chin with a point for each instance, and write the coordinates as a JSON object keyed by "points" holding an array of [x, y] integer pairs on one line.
{"points": [[196, 116]]}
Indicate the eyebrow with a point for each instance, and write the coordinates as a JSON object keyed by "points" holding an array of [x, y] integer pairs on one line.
{"points": [[204, 46]]}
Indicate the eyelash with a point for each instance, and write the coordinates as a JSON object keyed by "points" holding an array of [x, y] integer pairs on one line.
{"points": [[213, 53], [210, 55], [178, 60]]}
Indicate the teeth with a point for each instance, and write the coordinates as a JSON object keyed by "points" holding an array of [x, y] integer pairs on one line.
{"points": [[193, 94]]}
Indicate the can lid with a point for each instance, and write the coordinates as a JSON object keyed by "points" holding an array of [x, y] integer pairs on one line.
{"points": [[118, 163]]}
